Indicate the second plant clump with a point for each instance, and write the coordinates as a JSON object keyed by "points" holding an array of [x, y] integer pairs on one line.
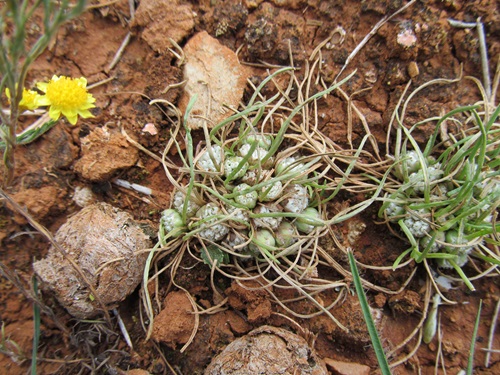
{"points": [[447, 197]]}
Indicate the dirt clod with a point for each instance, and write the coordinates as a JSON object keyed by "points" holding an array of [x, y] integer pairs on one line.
{"points": [[267, 350], [405, 302], [41, 202], [102, 241], [104, 153], [175, 323], [162, 20], [247, 295]]}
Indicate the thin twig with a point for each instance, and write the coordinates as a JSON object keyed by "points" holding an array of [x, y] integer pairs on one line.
{"points": [[99, 83], [373, 31], [119, 52], [491, 335], [483, 50], [97, 6]]}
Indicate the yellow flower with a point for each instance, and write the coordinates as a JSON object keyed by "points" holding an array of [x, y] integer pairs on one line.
{"points": [[67, 96], [30, 100]]}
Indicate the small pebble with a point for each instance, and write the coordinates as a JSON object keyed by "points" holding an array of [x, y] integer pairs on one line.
{"points": [[413, 69]]}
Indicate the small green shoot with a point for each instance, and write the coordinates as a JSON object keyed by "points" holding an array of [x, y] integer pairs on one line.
{"points": [[370, 324], [470, 363]]}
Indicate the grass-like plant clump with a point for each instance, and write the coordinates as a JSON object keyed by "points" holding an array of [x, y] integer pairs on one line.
{"points": [[444, 196]]}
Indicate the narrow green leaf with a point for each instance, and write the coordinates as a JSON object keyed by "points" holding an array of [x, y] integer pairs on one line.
{"points": [[372, 330], [470, 364]]}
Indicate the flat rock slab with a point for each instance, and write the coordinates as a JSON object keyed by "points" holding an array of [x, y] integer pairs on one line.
{"points": [[103, 154], [213, 74], [104, 243], [164, 20]]}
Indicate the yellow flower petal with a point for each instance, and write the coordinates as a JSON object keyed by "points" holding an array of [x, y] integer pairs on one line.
{"points": [[42, 86], [72, 118], [43, 100], [85, 113], [54, 113]]}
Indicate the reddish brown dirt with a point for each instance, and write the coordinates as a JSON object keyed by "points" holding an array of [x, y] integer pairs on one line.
{"points": [[46, 177]]}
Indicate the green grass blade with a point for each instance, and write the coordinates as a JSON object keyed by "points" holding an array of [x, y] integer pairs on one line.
{"points": [[31, 135], [190, 156], [377, 345], [470, 364]]}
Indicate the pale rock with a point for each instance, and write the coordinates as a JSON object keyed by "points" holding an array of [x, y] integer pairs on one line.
{"points": [[213, 73], [164, 19], [346, 368]]}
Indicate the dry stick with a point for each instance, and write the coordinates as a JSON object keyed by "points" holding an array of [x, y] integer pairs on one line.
{"points": [[131, 6], [125, 41], [99, 83], [40, 228], [162, 355], [369, 35], [119, 53], [483, 50], [440, 356], [413, 333], [491, 335]]}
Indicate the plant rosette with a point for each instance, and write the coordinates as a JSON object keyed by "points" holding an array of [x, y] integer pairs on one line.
{"points": [[445, 203], [243, 205]]}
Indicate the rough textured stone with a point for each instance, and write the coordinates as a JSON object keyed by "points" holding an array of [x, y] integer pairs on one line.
{"points": [[293, 4], [102, 241], [346, 368], [104, 153], [164, 19], [267, 350], [213, 73]]}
